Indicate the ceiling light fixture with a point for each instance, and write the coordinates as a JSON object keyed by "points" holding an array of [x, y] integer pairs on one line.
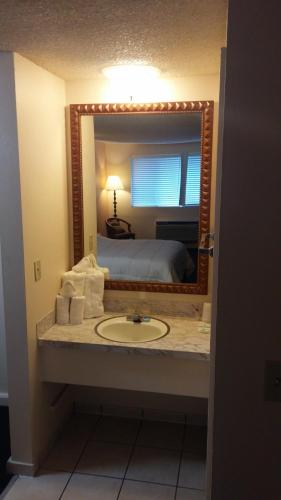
{"points": [[131, 72]]}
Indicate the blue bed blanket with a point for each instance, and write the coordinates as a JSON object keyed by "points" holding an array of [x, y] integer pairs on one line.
{"points": [[144, 260]]}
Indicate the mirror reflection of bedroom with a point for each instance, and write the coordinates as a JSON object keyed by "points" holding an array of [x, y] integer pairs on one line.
{"points": [[147, 172]]}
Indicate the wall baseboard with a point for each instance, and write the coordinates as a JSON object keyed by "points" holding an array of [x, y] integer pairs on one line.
{"points": [[4, 399], [21, 468]]}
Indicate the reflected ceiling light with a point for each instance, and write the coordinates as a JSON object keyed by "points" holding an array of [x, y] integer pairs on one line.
{"points": [[132, 72]]}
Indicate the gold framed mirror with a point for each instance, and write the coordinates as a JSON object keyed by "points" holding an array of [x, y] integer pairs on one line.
{"points": [[180, 123]]}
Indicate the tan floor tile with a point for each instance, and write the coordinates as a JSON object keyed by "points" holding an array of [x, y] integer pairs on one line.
{"points": [[116, 430], [84, 487], [192, 471], [80, 425], [122, 411], [46, 486], [187, 494], [154, 465], [195, 439], [65, 453], [105, 459], [162, 435], [133, 490], [164, 416]]}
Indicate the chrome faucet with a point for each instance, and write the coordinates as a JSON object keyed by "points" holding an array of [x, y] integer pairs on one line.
{"points": [[137, 318]]}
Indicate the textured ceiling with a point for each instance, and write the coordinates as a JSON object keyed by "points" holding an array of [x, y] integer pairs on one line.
{"points": [[75, 39]]}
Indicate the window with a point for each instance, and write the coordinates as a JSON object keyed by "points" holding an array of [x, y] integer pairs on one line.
{"points": [[165, 181], [155, 181], [192, 187]]}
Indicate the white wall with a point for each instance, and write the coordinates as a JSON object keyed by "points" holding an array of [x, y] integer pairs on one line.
{"points": [[246, 428], [204, 87]]}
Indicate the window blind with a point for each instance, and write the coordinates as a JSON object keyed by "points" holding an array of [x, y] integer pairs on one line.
{"points": [[192, 191], [155, 181]]}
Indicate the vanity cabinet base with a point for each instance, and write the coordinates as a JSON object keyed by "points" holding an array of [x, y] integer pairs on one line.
{"points": [[149, 373]]}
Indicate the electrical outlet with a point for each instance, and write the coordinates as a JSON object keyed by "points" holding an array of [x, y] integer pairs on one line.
{"points": [[37, 270], [273, 381], [91, 243]]}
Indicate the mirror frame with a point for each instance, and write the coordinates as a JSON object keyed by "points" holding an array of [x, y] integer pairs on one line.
{"points": [[206, 108]]}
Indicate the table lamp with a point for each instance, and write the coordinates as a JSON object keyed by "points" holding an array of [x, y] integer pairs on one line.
{"points": [[114, 183]]}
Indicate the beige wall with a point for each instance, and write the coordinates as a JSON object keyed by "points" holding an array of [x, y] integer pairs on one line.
{"points": [[101, 194], [246, 428], [89, 185], [14, 322], [193, 88], [3, 357], [118, 162], [177, 89], [40, 100]]}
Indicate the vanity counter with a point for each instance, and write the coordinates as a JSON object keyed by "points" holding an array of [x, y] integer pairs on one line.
{"points": [[188, 338]]}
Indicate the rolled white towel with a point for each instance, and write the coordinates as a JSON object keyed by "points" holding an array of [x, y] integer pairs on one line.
{"points": [[68, 289], [94, 289], [77, 305], [78, 280], [62, 310]]}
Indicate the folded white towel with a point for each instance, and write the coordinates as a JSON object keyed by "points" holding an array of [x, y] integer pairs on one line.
{"points": [[88, 264], [77, 305], [78, 280], [94, 288], [105, 271], [62, 310], [68, 289]]}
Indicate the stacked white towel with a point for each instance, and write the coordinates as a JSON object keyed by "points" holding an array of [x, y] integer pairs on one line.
{"points": [[77, 310], [88, 263], [62, 310], [94, 288], [87, 279]]}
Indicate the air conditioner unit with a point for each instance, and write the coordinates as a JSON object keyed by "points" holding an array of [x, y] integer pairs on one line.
{"points": [[185, 231]]}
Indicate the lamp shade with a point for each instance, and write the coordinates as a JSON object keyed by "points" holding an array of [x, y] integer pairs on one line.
{"points": [[113, 183]]}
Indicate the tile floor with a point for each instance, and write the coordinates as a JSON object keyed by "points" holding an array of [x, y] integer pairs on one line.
{"points": [[109, 458]]}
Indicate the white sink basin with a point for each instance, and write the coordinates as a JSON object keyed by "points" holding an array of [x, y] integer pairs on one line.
{"points": [[119, 329]]}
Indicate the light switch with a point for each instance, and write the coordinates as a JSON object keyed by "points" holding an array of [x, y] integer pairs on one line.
{"points": [[37, 270], [273, 381]]}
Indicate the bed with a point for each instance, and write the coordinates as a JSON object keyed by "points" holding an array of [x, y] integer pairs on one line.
{"points": [[144, 260]]}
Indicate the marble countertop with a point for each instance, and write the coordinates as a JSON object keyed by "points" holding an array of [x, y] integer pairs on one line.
{"points": [[188, 338]]}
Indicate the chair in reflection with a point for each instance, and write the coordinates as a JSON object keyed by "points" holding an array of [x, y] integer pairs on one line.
{"points": [[118, 229]]}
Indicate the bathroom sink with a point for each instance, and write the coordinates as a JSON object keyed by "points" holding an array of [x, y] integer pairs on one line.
{"points": [[132, 329]]}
